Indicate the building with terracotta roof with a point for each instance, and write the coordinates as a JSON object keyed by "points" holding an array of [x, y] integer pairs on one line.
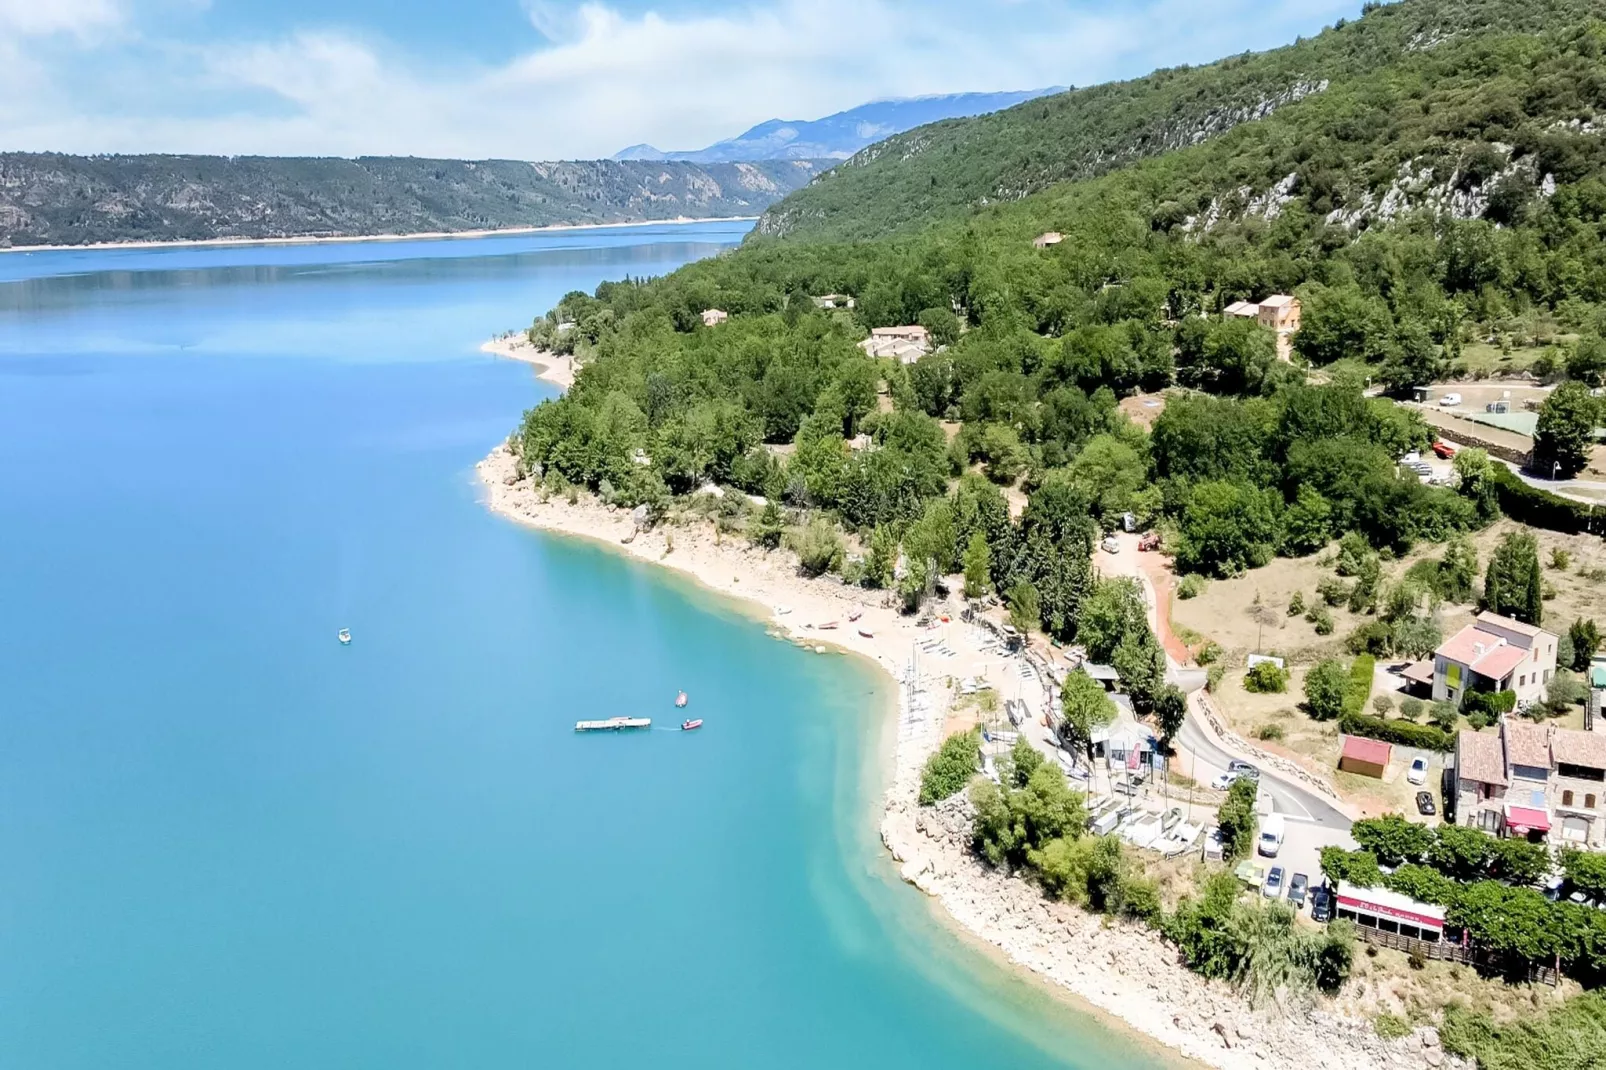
{"points": [[1368, 757], [905, 344], [1533, 780], [1495, 653]]}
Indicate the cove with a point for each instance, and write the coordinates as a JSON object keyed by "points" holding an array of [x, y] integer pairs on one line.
{"points": [[228, 841]]}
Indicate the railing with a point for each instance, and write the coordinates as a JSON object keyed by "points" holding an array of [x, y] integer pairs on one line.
{"points": [[1447, 951]]}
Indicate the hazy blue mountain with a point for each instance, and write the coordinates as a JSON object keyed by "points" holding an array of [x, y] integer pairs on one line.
{"points": [[836, 137]]}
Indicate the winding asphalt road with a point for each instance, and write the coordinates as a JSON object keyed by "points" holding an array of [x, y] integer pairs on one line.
{"points": [[1296, 802]]}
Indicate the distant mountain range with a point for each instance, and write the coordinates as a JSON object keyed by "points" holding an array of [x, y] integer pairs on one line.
{"points": [[836, 137], [51, 198]]}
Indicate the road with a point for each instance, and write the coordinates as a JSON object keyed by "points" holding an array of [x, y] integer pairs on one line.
{"points": [[1296, 802]]}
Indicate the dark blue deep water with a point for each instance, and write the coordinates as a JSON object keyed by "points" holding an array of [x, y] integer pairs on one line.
{"points": [[228, 843]]}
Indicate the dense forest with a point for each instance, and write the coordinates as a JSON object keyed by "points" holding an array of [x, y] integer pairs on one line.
{"points": [[1445, 192], [943, 170], [47, 198]]}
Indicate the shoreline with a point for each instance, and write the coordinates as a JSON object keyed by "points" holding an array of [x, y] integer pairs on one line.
{"points": [[555, 368], [320, 239], [1113, 971]]}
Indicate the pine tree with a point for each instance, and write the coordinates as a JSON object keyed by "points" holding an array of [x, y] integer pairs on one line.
{"points": [[978, 565]]}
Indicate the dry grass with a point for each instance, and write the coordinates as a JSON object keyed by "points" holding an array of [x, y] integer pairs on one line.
{"points": [[1226, 612], [1384, 983]]}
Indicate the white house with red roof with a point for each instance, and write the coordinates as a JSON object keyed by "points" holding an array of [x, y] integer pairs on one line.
{"points": [[1495, 653]]}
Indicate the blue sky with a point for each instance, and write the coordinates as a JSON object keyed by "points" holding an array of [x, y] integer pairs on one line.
{"points": [[546, 79]]}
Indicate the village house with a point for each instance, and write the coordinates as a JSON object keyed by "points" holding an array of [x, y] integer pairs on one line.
{"points": [[1279, 312], [713, 317], [1493, 653], [906, 344], [1532, 780], [828, 302], [1043, 241]]}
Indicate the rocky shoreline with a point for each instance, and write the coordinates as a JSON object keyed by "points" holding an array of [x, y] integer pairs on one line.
{"points": [[1122, 970]]}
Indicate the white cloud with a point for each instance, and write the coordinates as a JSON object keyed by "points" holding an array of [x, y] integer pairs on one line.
{"points": [[606, 79], [82, 18]]}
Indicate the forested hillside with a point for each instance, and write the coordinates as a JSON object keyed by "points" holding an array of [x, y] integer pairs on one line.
{"points": [[947, 169], [47, 198], [1454, 195]]}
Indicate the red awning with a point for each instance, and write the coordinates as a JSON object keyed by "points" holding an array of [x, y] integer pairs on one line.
{"points": [[1525, 819]]}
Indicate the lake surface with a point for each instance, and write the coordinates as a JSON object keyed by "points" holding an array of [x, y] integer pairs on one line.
{"points": [[228, 842]]}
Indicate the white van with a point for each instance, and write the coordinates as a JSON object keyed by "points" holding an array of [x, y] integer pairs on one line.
{"points": [[1272, 830], [1450, 399]]}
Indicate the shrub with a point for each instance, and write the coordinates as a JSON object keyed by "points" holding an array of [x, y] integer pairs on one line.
{"points": [[1560, 559], [818, 546], [1213, 678], [1208, 654], [1266, 678], [1237, 818], [1391, 1026], [1358, 688], [1382, 704], [1534, 507], [950, 769], [1411, 708], [1324, 690], [1333, 591], [1269, 731], [1191, 586], [1296, 604], [1321, 618], [1491, 703], [1404, 733]]}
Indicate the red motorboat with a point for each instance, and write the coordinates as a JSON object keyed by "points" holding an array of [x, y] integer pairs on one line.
{"points": [[687, 726]]}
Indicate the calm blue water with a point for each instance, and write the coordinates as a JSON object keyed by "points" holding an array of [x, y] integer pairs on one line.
{"points": [[228, 842]]}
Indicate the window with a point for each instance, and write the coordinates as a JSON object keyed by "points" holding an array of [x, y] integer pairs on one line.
{"points": [[1566, 798], [1589, 802], [1489, 820], [1536, 799]]}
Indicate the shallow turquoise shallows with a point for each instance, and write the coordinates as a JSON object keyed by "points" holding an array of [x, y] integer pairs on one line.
{"points": [[227, 842]]}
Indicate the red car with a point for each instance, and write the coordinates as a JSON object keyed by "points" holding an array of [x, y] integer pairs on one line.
{"points": [[1444, 450]]}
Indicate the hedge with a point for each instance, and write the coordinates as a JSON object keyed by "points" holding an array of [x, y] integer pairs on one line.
{"points": [[1406, 734], [1535, 507], [1359, 688]]}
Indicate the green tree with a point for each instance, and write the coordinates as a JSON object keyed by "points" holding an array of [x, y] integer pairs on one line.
{"points": [[1475, 481], [1236, 816], [948, 771], [1140, 663], [1392, 840], [818, 546], [1566, 430], [1024, 613], [1457, 571], [880, 565], [1086, 708], [1227, 527], [1109, 473], [1025, 760], [1113, 610], [1586, 870], [1324, 689], [1585, 636], [1266, 678], [978, 566], [1170, 711], [1308, 523], [767, 526], [1512, 585]]}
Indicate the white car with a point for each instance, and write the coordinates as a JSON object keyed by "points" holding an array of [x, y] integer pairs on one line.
{"points": [[1418, 772], [1223, 781], [1450, 399]]}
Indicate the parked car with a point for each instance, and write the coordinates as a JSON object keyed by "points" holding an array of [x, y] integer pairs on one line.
{"points": [[1274, 883], [1272, 830], [1450, 399], [1243, 769], [1419, 771], [1223, 781], [1150, 541], [1443, 450], [1110, 545], [1424, 804], [1297, 884], [1321, 903]]}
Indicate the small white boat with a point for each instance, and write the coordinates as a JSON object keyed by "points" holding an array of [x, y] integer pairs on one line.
{"points": [[345, 637], [681, 700], [687, 726]]}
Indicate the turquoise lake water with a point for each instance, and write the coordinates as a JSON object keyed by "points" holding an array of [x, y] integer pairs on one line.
{"points": [[226, 842]]}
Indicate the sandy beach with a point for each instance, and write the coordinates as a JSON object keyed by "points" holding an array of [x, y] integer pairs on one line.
{"points": [[426, 235], [555, 368], [1118, 970]]}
